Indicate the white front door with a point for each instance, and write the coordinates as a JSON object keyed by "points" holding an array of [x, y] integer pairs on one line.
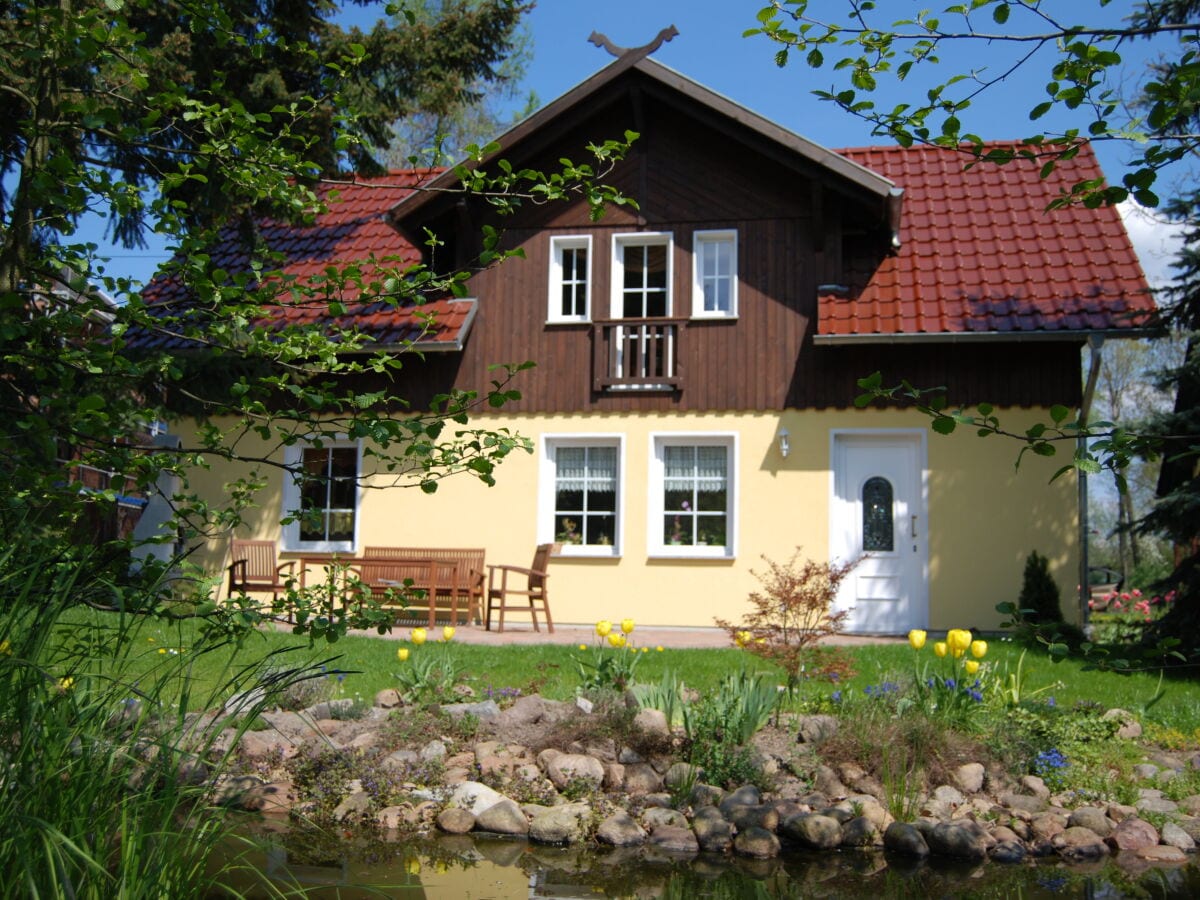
{"points": [[878, 515]]}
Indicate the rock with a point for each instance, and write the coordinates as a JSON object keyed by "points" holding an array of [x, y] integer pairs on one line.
{"points": [[1034, 785], [455, 820], [546, 757], [486, 711], [657, 817], [1119, 812], [746, 795], [1007, 852], [640, 778], [614, 777], [1156, 805], [474, 797], [671, 839], [503, 818], [354, 805], [1191, 827], [816, 729], [434, 750], [1145, 770], [713, 832], [969, 778], [620, 830], [1174, 836], [652, 722], [948, 839], [1046, 825], [1161, 853], [706, 795], [566, 824], [906, 840], [1190, 805], [815, 831], [744, 817], [1132, 834], [1023, 802], [860, 832], [258, 745], [1093, 819], [388, 698], [575, 769], [756, 843], [533, 710], [682, 774], [1128, 726], [947, 794], [1079, 844], [400, 761], [826, 782]]}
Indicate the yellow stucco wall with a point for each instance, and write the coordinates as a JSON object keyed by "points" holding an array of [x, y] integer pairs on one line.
{"points": [[984, 517]]}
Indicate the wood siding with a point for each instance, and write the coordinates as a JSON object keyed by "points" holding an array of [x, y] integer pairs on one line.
{"points": [[691, 171]]}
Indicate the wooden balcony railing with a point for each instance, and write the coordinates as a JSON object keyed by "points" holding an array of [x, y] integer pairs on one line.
{"points": [[637, 354]]}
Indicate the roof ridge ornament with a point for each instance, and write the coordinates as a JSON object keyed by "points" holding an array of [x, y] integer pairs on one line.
{"points": [[602, 41]]}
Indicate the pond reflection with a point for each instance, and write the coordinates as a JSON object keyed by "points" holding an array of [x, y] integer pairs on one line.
{"points": [[451, 868]]}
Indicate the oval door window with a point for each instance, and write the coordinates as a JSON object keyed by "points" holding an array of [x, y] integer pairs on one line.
{"points": [[877, 527]]}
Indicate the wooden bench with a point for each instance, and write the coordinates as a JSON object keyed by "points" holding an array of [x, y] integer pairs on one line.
{"points": [[451, 575]]}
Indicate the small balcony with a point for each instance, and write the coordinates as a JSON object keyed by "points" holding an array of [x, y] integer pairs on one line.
{"points": [[636, 354]]}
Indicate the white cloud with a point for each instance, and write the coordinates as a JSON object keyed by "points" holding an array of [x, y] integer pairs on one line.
{"points": [[1155, 239]]}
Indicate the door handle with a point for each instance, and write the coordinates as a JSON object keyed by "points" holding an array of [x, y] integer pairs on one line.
{"points": [[914, 525]]}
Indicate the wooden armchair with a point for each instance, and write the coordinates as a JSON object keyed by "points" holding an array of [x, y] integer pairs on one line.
{"points": [[505, 593], [256, 568]]}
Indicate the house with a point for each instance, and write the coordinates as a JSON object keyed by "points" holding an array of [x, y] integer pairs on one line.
{"points": [[697, 359]]}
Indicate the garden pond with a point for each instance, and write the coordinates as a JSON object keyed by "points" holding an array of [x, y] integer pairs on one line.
{"points": [[458, 867]]}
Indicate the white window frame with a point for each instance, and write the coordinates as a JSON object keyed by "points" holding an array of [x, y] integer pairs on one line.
{"points": [[290, 538], [710, 238], [559, 243], [640, 239], [656, 546], [547, 482]]}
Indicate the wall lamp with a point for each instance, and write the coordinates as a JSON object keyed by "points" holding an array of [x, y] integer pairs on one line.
{"points": [[784, 446]]}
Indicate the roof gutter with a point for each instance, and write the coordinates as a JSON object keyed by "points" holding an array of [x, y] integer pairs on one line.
{"points": [[974, 337]]}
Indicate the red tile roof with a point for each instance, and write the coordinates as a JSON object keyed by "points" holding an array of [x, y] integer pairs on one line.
{"points": [[353, 230], [979, 254]]}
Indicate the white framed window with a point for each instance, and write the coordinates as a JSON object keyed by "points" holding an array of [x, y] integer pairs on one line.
{"points": [[321, 496], [693, 497], [581, 494], [570, 279], [641, 275], [714, 276]]}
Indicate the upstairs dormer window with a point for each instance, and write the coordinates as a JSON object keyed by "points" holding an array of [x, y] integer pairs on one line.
{"points": [[642, 275], [570, 278], [714, 280]]}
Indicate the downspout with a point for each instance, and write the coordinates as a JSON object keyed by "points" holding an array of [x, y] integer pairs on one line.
{"points": [[1094, 342]]}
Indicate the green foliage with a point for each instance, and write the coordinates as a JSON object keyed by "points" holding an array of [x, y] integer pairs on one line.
{"points": [[429, 675], [666, 696], [720, 726], [1040, 601], [610, 665]]}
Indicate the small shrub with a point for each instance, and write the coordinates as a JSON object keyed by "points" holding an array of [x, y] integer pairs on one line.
{"points": [[792, 613], [721, 725], [1040, 602]]}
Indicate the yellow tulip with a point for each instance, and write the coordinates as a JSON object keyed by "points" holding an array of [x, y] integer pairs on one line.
{"points": [[419, 636], [627, 625], [65, 684], [958, 638], [916, 638], [616, 640], [413, 867], [939, 649], [972, 666], [603, 627], [979, 649], [448, 633], [583, 646], [402, 654], [659, 648], [742, 638], [958, 654], [645, 649]]}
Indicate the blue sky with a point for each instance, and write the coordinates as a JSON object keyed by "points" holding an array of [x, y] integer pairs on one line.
{"points": [[711, 49]]}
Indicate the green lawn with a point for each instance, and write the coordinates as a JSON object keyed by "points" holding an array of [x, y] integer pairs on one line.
{"points": [[370, 664]]}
